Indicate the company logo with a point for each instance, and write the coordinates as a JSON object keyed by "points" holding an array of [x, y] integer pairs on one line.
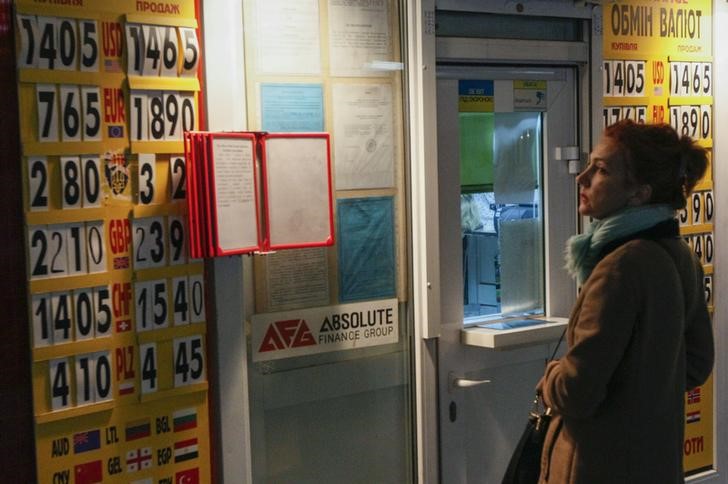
{"points": [[117, 171], [291, 333]]}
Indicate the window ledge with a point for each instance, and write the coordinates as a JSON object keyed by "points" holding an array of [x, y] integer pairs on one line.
{"points": [[546, 330]]}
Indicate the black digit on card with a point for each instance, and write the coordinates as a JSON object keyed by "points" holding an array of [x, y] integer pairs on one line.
{"points": [[149, 368], [160, 301], [141, 308], [152, 46], [103, 376], [84, 315], [48, 44], [708, 207], [61, 318], [67, 43], [188, 113], [157, 231], [708, 248], [71, 184], [141, 234], [76, 248], [146, 195], [171, 110], [176, 240], [170, 48], [181, 364], [58, 259], [196, 358], [180, 300], [89, 44], [92, 115], [60, 389], [179, 178], [95, 244], [697, 205], [27, 32], [92, 178], [156, 124], [39, 174], [39, 241], [47, 111], [103, 310], [189, 38]]}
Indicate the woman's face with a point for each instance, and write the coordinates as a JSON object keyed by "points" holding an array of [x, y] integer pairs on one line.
{"points": [[604, 185]]}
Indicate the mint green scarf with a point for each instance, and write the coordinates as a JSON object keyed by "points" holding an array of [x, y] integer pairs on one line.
{"points": [[583, 250]]}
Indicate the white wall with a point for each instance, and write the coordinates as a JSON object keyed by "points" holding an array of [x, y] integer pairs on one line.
{"points": [[720, 189]]}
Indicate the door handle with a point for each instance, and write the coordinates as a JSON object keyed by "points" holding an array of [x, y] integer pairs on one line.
{"points": [[456, 382]]}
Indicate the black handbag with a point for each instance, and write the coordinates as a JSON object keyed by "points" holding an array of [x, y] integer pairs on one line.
{"points": [[525, 464]]}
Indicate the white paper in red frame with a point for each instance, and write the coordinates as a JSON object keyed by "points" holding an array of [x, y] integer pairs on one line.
{"points": [[231, 235], [297, 190]]}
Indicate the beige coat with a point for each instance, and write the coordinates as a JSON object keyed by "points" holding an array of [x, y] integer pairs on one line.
{"points": [[638, 337]]}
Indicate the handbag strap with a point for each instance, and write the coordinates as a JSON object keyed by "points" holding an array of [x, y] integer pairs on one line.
{"points": [[553, 354], [538, 400]]}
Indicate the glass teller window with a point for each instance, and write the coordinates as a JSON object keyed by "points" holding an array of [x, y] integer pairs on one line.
{"points": [[501, 214]]}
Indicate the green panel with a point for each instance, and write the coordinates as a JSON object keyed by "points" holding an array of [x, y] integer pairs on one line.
{"points": [[476, 149]]}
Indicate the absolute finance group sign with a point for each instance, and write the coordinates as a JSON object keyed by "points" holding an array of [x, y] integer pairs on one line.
{"points": [[319, 330]]}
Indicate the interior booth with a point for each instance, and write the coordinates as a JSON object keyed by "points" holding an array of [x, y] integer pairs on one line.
{"points": [[345, 265]]}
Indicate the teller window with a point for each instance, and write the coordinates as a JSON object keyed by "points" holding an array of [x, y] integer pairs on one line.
{"points": [[502, 214]]}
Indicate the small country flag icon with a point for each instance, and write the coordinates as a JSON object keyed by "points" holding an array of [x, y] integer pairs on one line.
{"points": [[86, 441], [189, 476], [184, 419], [138, 459], [185, 450], [88, 473], [137, 429]]}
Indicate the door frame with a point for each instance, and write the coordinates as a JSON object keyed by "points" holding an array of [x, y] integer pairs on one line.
{"points": [[512, 373]]}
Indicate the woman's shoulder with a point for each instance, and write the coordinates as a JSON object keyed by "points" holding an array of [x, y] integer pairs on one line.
{"points": [[673, 251], [632, 268], [641, 252], [657, 258]]}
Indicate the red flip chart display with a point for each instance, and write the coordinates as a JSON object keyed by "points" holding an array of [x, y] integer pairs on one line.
{"points": [[236, 207]]}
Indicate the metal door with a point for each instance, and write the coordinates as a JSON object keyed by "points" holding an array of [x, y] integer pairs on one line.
{"points": [[506, 207]]}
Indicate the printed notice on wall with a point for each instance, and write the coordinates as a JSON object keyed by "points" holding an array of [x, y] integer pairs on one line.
{"points": [[287, 108], [359, 37], [297, 278], [364, 136], [287, 37], [235, 192], [366, 248]]}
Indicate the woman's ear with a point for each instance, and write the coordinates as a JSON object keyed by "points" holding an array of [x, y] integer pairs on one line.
{"points": [[642, 195]]}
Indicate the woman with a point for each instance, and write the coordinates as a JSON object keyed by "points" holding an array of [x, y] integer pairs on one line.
{"points": [[639, 335]]}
